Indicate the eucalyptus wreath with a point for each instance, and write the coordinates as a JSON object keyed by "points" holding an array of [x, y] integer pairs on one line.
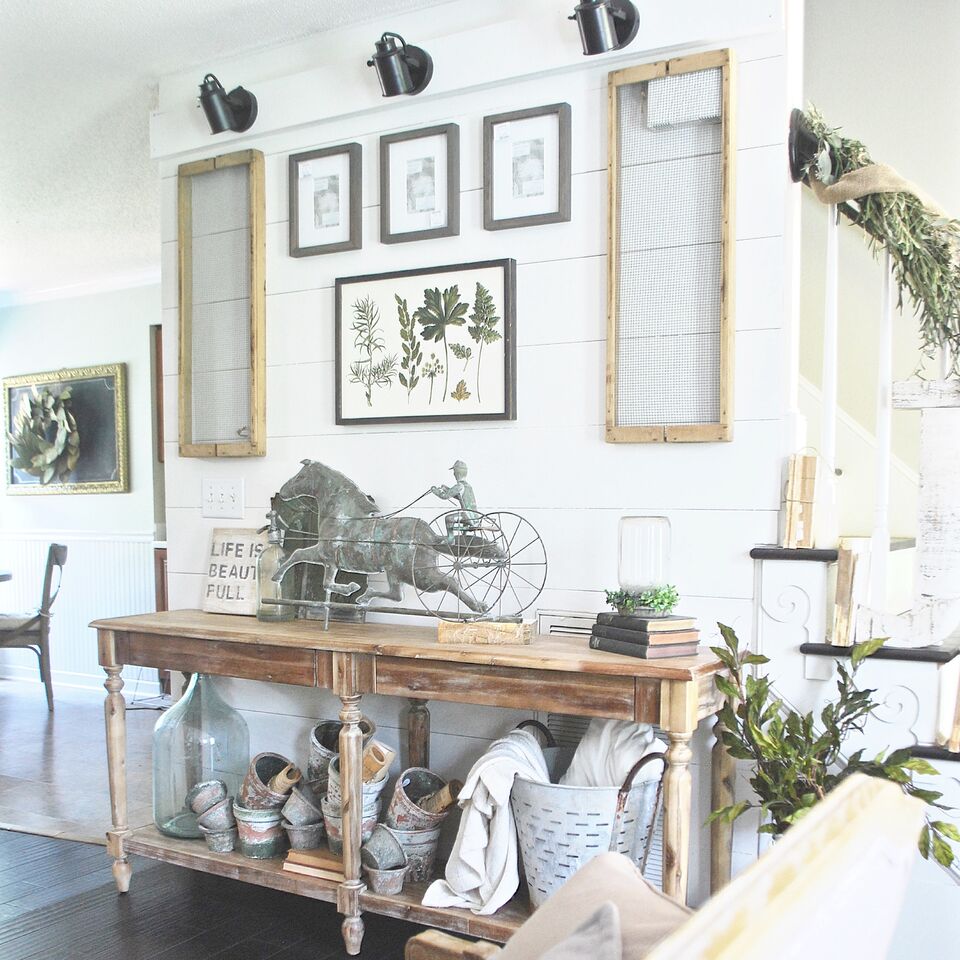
{"points": [[924, 246], [45, 439]]}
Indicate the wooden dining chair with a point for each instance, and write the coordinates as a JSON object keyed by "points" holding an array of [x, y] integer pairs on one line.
{"points": [[32, 630]]}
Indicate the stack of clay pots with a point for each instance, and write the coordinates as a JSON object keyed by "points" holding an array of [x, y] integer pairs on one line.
{"points": [[332, 806], [303, 818], [209, 801], [265, 792]]}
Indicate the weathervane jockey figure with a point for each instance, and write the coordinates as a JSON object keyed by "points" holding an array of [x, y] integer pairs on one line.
{"points": [[462, 492]]}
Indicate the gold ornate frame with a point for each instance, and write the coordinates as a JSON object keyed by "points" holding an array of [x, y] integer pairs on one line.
{"points": [[116, 370]]}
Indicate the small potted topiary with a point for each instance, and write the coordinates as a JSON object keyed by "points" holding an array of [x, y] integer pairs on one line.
{"points": [[651, 603]]}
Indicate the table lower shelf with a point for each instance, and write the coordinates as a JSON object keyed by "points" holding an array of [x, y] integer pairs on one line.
{"points": [[193, 854]]}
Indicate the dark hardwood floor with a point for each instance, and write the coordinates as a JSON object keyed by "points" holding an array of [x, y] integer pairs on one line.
{"points": [[58, 902]]}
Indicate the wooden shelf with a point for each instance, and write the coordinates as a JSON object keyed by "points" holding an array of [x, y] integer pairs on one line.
{"points": [[193, 854]]}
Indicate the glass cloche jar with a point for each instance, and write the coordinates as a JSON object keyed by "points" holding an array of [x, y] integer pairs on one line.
{"points": [[199, 738], [644, 554]]}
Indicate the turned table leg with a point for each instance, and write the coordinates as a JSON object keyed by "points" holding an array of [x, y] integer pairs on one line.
{"points": [[677, 796], [351, 785], [115, 717], [723, 771], [418, 734]]}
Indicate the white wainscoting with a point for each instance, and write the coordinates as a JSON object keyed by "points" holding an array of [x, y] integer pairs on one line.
{"points": [[106, 575]]}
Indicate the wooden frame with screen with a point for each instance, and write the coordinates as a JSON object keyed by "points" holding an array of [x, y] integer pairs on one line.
{"points": [[622, 217], [194, 386]]}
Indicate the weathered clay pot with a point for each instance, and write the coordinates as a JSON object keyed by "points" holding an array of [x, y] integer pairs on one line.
{"points": [[386, 881], [302, 807], [382, 851], [260, 833], [203, 796], [372, 789], [219, 816], [325, 744], [220, 841], [333, 823], [413, 785], [255, 794], [420, 847], [305, 836]]}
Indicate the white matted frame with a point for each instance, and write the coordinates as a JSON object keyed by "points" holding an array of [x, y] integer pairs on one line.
{"points": [[325, 200], [222, 375], [670, 327]]}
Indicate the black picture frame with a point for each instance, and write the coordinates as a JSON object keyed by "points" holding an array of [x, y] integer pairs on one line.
{"points": [[509, 340], [562, 213], [452, 227], [355, 206]]}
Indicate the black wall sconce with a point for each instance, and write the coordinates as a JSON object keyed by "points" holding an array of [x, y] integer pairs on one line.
{"points": [[235, 110], [401, 67], [606, 24]]}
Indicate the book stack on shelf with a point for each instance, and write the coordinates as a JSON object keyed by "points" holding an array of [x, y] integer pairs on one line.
{"points": [[651, 638], [321, 864]]}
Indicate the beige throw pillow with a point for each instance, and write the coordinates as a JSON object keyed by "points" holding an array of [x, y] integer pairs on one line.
{"points": [[597, 938], [646, 914]]}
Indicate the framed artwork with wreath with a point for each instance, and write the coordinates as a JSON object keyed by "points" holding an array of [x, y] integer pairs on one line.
{"points": [[66, 431]]}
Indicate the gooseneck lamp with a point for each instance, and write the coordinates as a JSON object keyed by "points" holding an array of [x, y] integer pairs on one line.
{"points": [[605, 24], [401, 67], [235, 110]]}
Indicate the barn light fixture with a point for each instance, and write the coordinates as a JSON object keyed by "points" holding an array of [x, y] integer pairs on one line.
{"points": [[401, 67], [605, 24], [235, 110]]}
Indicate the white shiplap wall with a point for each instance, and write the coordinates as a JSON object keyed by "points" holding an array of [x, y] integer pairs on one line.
{"points": [[552, 463]]}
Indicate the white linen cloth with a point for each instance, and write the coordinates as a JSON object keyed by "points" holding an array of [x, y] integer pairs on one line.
{"points": [[482, 872], [608, 751]]}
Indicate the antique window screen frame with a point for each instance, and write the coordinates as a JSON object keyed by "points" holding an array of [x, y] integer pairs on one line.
{"points": [[222, 305], [670, 328]]}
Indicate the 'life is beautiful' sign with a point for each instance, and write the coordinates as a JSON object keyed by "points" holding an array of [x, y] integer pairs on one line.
{"points": [[231, 585]]}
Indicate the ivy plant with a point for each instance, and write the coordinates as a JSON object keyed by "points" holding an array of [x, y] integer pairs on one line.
{"points": [[661, 600], [798, 759]]}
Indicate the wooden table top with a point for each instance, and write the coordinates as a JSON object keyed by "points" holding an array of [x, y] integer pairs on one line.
{"points": [[562, 653]]}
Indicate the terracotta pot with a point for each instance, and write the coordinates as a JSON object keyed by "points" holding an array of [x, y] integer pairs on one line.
{"points": [[413, 785], [383, 851], [260, 833], [305, 836], [255, 794], [219, 816], [204, 795], [386, 881], [325, 744], [372, 789], [302, 807], [333, 824], [220, 841], [420, 847]]}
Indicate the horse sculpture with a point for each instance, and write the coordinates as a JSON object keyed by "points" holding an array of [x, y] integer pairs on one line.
{"points": [[355, 537]]}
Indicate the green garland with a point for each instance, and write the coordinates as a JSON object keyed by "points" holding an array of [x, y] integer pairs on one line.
{"points": [[45, 440], [924, 247]]}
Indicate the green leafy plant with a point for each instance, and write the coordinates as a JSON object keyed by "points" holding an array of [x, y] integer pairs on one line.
{"points": [[923, 246], [661, 600], [367, 371], [797, 760], [412, 357], [483, 324], [438, 313], [461, 392], [461, 353], [45, 439], [431, 370]]}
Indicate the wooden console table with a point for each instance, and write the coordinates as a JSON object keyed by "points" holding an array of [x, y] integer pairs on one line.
{"points": [[559, 674]]}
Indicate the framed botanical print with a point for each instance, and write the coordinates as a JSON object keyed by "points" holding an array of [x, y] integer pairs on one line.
{"points": [[526, 167], [66, 431], [427, 345], [420, 184], [325, 200]]}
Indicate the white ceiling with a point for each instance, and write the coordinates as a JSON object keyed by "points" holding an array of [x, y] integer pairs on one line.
{"points": [[79, 198]]}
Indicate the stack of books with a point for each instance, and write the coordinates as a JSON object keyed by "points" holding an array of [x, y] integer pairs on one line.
{"points": [[321, 864], [648, 638]]}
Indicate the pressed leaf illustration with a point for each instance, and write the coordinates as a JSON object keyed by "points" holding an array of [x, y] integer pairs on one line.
{"points": [[483, 324], [439, 312], [461, 392], [461, 353], [45, 439], [431, 370], [368, 371], [409, 375]]}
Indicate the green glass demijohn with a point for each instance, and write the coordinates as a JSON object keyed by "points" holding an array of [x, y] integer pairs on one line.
{"points": [[199, 738]]}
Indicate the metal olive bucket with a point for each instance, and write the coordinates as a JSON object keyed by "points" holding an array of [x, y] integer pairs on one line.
{"points": [[412, 785], [561, 828], [325, 744]]}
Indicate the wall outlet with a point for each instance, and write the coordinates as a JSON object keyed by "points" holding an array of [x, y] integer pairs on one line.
{"points": [[222, 498]]}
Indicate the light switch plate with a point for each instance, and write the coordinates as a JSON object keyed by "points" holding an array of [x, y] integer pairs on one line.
{"points": [[222, 498]]}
